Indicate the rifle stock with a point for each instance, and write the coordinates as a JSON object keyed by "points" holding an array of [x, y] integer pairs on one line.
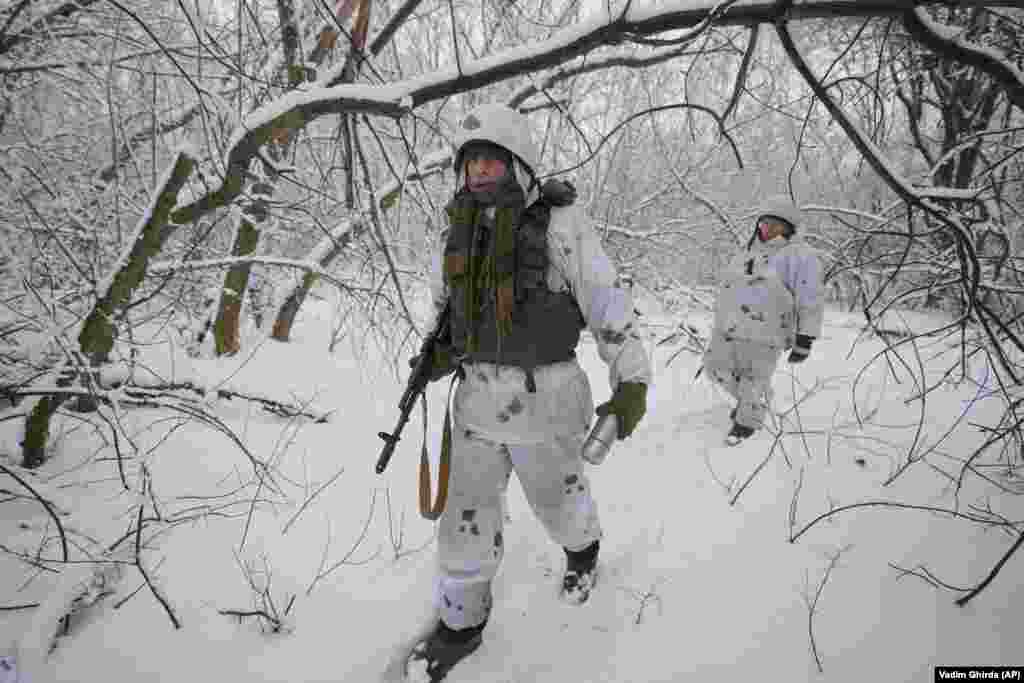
{"points": [[414, 388]]}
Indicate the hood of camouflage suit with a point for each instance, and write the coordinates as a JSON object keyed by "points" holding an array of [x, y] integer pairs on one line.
{"points": [[780, 207], [784, 209]]}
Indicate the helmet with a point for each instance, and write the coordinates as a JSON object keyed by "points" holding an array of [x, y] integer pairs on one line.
{"points": [[502, 126], [784, 209]]}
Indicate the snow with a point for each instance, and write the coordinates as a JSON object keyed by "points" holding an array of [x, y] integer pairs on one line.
{"points": [[399, 97], [78, 583], [955, 35], [691, 587], [645, 11]]}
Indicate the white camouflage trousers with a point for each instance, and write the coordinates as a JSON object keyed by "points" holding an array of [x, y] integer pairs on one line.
{"points": [[744, 369], [526, 440]]}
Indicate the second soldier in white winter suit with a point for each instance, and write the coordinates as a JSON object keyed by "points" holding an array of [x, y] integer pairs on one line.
{"points": [[770, 299]]}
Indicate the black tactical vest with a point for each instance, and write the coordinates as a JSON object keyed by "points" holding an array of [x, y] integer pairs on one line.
{"points": [[546, 325]]}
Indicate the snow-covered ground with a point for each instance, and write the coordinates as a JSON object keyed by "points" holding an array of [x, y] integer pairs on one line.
{"points": [[699, 581]]}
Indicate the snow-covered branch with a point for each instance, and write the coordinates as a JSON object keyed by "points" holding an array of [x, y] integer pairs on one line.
{"points": [[395, 100], [41, 25], [878, 161], [21, 479], [114, 290], [949, 43], [152, 396], [308, 266]]}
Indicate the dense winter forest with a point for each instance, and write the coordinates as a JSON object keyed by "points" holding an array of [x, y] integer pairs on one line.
{"points": [[191, 177]]}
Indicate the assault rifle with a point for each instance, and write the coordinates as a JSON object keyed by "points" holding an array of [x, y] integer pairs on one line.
{"points": [[414, 388]]}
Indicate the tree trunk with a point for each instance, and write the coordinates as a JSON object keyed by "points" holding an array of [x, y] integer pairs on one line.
{"points": [[227, 327], [323, 254], [282, 330], [96, 338]]}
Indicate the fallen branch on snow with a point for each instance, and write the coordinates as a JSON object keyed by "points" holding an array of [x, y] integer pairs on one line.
{"points": [[148, 397]]}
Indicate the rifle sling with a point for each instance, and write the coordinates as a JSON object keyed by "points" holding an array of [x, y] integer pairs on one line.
{"points": [[431, 508]]}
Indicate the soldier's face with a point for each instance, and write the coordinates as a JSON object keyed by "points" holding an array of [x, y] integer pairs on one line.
{"points": [[483, 171], [769, 228]]}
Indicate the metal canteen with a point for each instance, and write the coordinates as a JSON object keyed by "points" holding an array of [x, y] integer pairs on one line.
{"points": [[599, 441]]}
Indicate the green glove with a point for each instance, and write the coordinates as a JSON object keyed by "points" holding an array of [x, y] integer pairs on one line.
{"points": [[628, 403]]}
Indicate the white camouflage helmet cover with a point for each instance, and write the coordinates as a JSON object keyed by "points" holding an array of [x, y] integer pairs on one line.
{"points": [[783, 208], [502, 126]]}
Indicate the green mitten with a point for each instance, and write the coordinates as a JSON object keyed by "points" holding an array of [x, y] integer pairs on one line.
{"points": [[628, 403]]}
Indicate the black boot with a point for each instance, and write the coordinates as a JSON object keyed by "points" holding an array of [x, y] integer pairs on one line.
{"points": [[434, 657], [580, 573], [738, 433]]}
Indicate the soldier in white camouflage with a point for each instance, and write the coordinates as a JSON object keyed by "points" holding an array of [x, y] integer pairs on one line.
{"points": [[524, 273], [771, 298]]}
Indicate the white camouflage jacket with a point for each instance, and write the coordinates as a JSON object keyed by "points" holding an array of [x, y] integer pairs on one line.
{"points": [[772, 292]]}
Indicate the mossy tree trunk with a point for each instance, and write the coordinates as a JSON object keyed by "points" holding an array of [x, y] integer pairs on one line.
{"points": [[325, 254], [96, 338], [227, 327]]}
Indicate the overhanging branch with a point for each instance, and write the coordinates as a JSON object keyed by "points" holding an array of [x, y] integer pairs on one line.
{"points": [[876, 159], [944, 41], [299, 108]]}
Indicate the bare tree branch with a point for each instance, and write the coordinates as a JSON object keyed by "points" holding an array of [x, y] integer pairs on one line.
{"points": [[978, 519], [992, 574], [741, 74], [41, 25], [395, 100], [946, 42], [46, 504]]}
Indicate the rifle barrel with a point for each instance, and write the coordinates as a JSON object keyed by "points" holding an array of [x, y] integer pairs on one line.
{"points": [[390, 441], [417, 384]]}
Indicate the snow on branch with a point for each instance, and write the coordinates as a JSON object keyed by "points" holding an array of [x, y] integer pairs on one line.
{"points": [[180, 118], [22, 479], [948, 42], [308, 266], [878, 161], [79, 586], [310, 101], [650, 111], [41, 25], [625, 58], [398, 17], [155, 395], [114, 290], [820, 208]]}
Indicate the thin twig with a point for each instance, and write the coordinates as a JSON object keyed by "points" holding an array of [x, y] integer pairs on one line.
{"points": [[903, 506], [15, 608], [812, 605], [145, 575], [960, 602], [344, 560], [756, 471], [927, 576], [795, 500], [46, 504], [310, 500]]}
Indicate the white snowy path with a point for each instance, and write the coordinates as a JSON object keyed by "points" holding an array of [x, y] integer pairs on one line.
{"points": [[691, 588]]}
